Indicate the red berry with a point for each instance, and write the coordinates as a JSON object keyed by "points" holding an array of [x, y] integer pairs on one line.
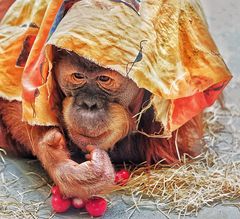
{"points": [[122, 177], [55, 190], [96, 206], [78, 203], [59, 204]]}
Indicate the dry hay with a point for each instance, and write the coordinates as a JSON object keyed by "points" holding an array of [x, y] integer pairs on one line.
{"points": [[211, 178], [205, 181]]}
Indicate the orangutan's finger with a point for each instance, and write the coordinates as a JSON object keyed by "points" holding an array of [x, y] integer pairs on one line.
{"points": [[90, 148]]}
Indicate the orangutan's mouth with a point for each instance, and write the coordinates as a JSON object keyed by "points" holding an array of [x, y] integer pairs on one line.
{"points": [[94, 137], [82, 140]]}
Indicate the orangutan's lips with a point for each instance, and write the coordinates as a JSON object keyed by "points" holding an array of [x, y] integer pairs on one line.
{"points": [[94, 137]]}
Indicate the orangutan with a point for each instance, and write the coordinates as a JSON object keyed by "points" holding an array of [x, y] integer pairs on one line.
{"points": [[97, 110]]}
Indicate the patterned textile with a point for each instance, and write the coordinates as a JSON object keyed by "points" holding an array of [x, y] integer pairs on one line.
{"points": [[162, 45]]}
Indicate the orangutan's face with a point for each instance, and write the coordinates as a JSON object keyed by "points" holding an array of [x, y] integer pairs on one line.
{"points": [[98, 103]]}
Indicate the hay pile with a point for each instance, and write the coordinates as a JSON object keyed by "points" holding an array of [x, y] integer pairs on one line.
{"points": [[207, 180]]}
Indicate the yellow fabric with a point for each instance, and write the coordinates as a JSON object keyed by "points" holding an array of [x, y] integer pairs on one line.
{"points": [[179, 58], [40, 109], [14, 28]]}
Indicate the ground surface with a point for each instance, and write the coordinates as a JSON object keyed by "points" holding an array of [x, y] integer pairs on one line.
{"points": [[23, 194]]}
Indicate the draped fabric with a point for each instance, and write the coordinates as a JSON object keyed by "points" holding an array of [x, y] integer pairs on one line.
{"points": [[162, 45]]}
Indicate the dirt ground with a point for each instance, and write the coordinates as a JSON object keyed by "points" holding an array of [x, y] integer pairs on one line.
{"points": [[24, 187]]}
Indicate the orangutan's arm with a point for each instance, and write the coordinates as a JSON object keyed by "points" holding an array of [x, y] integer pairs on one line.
{"points": [[48, 144]]}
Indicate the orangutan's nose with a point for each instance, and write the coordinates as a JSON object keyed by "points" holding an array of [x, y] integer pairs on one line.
{"points": [[90, 104]]}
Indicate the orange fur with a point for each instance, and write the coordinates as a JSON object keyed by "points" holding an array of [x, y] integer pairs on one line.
{"points": [[186, 140]]}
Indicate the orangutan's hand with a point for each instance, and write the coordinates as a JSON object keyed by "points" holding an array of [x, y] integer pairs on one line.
{"points": [[88, 178]]}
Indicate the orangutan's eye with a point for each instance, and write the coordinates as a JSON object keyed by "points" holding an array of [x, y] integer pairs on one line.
{"points": [[107, 81], [104, 78], [78, 76]]}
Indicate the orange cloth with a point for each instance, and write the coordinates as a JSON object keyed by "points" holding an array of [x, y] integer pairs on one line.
{"points": [[165, 49], [23, 19]]}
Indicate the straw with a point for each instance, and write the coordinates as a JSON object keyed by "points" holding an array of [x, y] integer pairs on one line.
{"points": [[210, 179]]}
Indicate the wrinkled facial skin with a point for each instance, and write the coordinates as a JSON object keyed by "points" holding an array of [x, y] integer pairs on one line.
{"points": [[98, 104]]}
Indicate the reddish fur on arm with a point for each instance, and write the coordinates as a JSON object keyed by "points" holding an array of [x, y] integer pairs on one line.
{"points": [[24, 136], [186, 139]]}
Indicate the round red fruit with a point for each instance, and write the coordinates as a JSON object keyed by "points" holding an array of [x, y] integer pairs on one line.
{"points": [[122, 177], [55, 190], [96, 206], [78, 203], [59, 204]]}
